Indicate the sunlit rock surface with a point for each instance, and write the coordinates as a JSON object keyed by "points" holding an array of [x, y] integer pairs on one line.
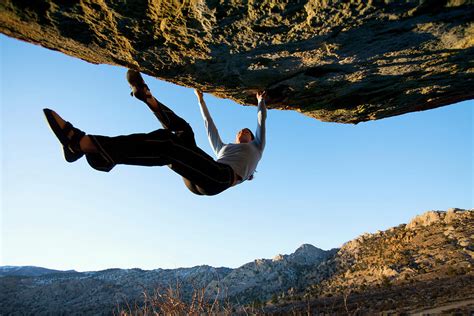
{"points": [[336, 61]]}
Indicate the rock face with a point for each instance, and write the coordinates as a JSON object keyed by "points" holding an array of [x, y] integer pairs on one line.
{"points": [[333, 60]]}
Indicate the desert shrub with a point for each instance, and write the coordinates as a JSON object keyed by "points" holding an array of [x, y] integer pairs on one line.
{"points": [[171, 302]]}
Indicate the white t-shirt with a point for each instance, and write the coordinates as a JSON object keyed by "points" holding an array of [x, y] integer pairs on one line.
{"points": [[243, 158]]}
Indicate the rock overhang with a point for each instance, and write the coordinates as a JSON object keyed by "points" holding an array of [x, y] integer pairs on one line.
{"points": [[335, 61]]}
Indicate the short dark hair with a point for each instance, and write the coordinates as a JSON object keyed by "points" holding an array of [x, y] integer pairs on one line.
{"points": [[251, 134]]}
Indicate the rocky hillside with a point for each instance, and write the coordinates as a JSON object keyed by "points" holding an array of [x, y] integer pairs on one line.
{"points": [[426, 263], [433, 245], [340, 61], [260, 279]]}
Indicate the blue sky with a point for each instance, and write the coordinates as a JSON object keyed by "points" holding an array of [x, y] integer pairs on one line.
{"points": [[318, 183]]}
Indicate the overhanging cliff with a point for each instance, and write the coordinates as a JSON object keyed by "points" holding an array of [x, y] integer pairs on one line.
{"points": [[340, 61]]}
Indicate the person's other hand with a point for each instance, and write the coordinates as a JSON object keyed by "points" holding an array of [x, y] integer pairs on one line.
{"points": [[261, 95], [198, 93]]}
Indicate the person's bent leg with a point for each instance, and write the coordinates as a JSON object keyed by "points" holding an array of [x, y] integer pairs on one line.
{"points": [[173, 122], [168, 119]]}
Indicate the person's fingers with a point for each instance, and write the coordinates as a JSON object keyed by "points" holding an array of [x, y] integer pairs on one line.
{"points": [[198, 92], [261, 94]]}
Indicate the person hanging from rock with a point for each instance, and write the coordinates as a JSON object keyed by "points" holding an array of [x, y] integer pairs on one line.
{"points": [[173, 145]]}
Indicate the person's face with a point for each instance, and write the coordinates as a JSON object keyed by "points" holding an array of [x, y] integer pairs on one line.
{"points": [[243, 136]]}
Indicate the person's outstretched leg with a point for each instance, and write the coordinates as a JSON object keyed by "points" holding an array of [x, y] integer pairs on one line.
{"points": [[158, 148], [168, 119], [103, 152]]}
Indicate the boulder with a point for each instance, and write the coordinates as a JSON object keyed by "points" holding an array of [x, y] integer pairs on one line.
{"points": [[425, 219], [336, 61]]}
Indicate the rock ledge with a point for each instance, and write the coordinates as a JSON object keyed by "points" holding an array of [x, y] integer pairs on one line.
{"points": [[331, 60]]}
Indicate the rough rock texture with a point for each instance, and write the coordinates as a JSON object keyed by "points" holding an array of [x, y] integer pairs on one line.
{"points": [[428, 262], [333, 60]]}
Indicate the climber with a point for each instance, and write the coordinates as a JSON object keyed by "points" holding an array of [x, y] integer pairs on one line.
{"points": [[174, 145]]}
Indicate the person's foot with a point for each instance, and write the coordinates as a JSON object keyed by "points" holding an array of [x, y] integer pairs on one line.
{"points": [[139, 88], [60, 121], [72, 139]]}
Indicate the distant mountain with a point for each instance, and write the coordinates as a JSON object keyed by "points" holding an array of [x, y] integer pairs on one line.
{"points": [[27, 271], [307, 254], [425, 263], [100, 292], [260, 279]]}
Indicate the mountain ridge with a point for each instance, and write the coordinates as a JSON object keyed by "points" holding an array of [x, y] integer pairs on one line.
{"points": [[433, 251]]}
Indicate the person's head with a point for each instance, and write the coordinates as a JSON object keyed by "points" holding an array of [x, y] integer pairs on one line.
{"points": [[244, 136]]}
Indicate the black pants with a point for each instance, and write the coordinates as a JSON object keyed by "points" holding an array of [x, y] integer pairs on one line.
{"points": [[174, 146]]}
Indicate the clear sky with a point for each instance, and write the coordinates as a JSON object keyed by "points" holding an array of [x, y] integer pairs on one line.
{"points": [[318, 183]]}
